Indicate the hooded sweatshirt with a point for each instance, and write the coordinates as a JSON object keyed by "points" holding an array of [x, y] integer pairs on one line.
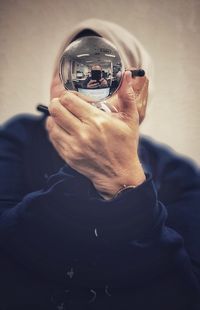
{"points": [[64, 247]]}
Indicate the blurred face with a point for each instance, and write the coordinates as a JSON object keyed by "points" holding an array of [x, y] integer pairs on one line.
{"points": [[96, 67], [96, 73]]}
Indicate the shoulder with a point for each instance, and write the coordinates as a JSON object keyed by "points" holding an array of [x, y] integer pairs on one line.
{"points": [[21, 127], [171, 172], [23, 121], [162, 155]]}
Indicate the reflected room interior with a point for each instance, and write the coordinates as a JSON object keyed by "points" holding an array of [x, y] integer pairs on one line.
{"points": [[92, 66]]}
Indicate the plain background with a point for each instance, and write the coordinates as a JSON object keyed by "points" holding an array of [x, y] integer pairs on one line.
{"points": [[32, 31]]}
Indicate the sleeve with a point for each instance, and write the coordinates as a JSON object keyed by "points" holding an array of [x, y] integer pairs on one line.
{"points": [[141, 250], [37, 228], [82, 240]]}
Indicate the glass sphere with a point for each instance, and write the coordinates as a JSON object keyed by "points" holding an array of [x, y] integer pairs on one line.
{"points": [[92, 66]]}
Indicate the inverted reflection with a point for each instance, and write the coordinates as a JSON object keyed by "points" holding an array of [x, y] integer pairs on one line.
{"points": [[92, 66]]}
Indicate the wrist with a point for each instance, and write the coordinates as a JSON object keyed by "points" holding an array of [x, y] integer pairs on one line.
{"points": [[114, 186]]}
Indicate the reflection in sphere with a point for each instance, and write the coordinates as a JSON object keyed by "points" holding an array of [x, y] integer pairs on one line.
{"points": [[92, 66]]}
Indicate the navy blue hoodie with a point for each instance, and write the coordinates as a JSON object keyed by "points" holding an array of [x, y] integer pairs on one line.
{"points": [[64, 247]]}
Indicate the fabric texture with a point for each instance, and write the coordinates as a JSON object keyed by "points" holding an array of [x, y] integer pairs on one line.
{"points": [[64, 247]]}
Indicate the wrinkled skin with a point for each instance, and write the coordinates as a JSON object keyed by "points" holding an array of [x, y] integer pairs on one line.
{"points": [[102, 146]]}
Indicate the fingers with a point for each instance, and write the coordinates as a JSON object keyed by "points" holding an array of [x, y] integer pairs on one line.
{"points": [[126, 95], [138, 82], [64, 118], [93, 85], [144, 91], [78, 107], [139, 87], [141, 100], [56, 133]]}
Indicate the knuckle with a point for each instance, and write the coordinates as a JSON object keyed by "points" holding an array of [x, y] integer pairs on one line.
{"points": [[49, 123], [101, 122], [74, 158], [83, 136], [77, 153], [54, 133], [54, 108], [65, 100], [64, 97]]}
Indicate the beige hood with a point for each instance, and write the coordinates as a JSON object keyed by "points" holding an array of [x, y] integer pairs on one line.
{"points": [[131, 50]]}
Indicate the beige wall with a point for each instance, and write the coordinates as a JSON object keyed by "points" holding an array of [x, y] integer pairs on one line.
{"points": [[31, 32]]}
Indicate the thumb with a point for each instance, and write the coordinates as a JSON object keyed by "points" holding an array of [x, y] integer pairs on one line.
{"points": [[126, 95]]}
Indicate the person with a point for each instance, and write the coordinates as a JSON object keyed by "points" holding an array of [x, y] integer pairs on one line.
{"points": [[92, 214], [93, 82]]}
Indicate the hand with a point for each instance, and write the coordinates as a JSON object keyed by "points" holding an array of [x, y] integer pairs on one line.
{"points": [[140, 88], [92, 84], [102, 146], [103, 83]]}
